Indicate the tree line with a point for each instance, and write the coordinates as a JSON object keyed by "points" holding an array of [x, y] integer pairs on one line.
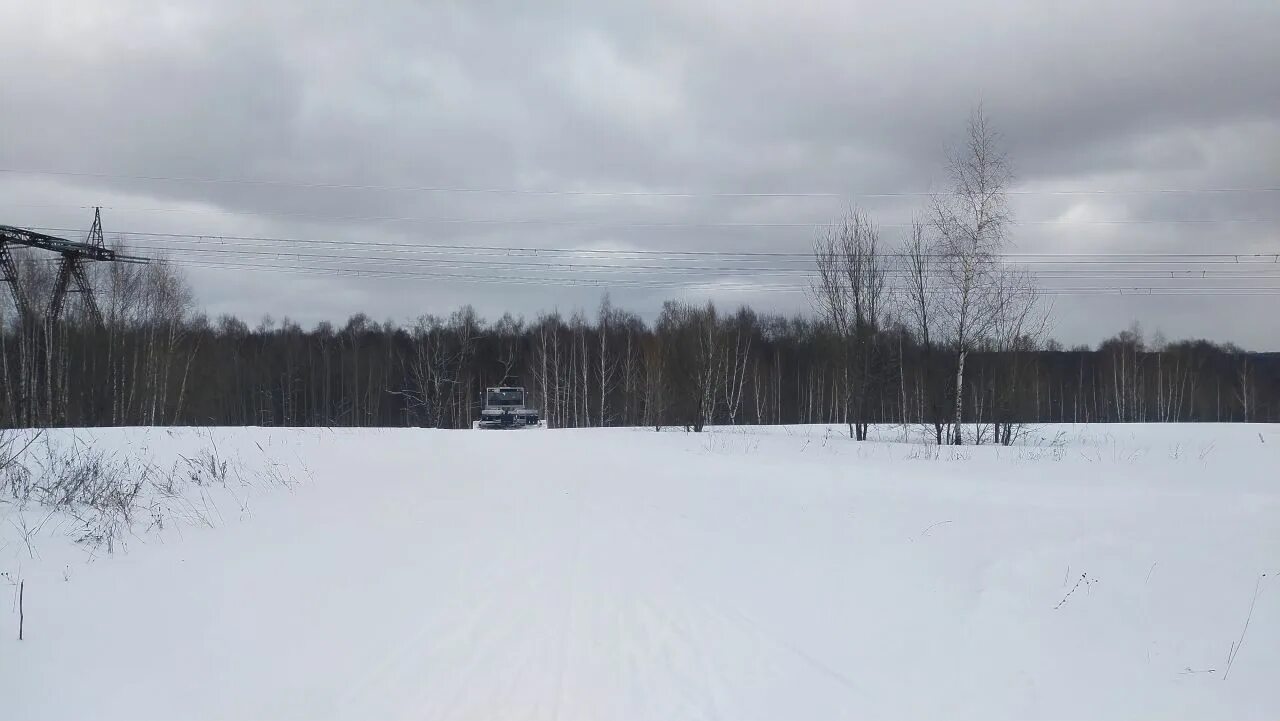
{"points": [[153, 363], [936, 330]]}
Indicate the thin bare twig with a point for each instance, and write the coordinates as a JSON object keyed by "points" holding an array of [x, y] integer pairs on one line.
{"points": [[1084, 578], [1235, 647], [925, 532]]}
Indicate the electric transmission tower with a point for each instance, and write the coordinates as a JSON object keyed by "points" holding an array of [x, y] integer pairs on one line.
{"points": [[71, 267]]}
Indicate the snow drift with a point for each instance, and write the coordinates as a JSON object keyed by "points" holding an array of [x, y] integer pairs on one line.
{"points": [[745, 573]]}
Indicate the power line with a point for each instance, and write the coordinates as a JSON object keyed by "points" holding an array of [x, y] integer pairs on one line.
{"points": [[648, 225], [607, 193], [1233, 270], [1241, 256], [726, 286], [576, 268], [1164, 267], [731, 286]]}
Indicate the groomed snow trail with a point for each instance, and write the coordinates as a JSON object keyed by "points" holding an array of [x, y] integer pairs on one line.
{"points": [[762, 573]]}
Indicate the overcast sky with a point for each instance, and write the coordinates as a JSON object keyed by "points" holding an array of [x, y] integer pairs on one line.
{"points": [[135, 106]]}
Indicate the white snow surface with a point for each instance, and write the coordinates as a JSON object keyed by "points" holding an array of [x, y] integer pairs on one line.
{"points": [[1100, 572]]}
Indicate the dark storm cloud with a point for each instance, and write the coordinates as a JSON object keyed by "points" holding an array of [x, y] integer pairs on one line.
{"points": [[708, 98]]}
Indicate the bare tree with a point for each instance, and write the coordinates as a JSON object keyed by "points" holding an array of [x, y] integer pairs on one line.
{"points": [[851, 295], [654, 382], [690, 354], [1020, 322], [919, 304], [607, 319], [1244, 387], [971, 222], [737, 336]]}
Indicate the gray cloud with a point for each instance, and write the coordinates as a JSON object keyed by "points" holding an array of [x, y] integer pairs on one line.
{"points": [[836, 97]]}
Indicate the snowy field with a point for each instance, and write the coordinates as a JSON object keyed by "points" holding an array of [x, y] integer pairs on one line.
{"points": [[1103, 572]]}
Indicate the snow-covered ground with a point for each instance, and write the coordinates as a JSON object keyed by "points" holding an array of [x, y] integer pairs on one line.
{"points": [[749, 573]]}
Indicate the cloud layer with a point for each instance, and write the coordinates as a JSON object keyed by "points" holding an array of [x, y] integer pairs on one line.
{"points": [[708, 99]]}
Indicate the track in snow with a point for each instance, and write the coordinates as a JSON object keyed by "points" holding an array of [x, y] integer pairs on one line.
{"points": [[768, 573]]}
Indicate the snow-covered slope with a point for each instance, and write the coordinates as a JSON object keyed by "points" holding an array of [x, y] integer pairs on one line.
{"points": [[759, 573]]}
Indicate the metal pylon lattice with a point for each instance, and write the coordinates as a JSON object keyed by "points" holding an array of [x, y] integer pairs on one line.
{"points": [[9, 274], [95, 231], [71, 268]]}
